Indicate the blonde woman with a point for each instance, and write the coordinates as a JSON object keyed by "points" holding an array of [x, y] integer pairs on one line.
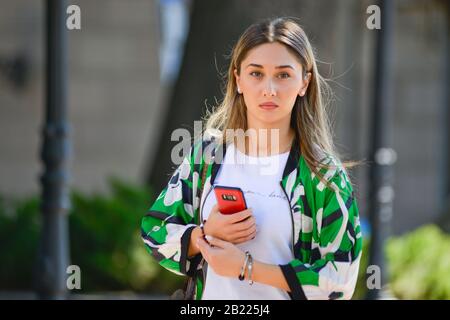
{"points": [[300, 236]]}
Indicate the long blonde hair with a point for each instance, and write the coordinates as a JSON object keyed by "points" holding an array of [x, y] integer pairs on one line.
{"points": [[309, 116]]}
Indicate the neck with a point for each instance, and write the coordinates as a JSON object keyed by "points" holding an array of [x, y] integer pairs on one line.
{"points": [[268, 139]]}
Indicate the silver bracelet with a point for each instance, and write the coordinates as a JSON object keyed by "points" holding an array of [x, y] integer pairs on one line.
{"points": [[242, 274], [250, 268]]}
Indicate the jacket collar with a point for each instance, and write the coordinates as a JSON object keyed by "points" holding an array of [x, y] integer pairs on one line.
{"points": [[292, 162]]}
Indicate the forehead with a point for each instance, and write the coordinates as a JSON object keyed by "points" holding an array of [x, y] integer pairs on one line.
{"points": [[271, 55]]}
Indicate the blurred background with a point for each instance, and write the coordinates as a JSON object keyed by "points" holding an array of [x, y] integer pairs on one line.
{"points": [[74, 184]]}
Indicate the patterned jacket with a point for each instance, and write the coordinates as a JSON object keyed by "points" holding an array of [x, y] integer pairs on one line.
{"points": [[327, 239]]}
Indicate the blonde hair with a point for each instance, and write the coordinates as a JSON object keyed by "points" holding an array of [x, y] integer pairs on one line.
{"points": [[309, 116]]}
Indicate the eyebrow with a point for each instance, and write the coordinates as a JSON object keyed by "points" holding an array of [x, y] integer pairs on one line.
{"points": [[278, 67]]}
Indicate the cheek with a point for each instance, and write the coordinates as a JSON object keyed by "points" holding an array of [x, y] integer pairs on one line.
{"points": [[252, 95], [286, 95], [251, 88], [292, 89], [291, 94]]}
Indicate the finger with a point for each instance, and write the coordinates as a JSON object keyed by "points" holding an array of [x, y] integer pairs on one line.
{"points": [[245, 232], [215, 209], [244, 225], [218, 243], [202, 244], [239, 216], [203, 247], [245, 239]]}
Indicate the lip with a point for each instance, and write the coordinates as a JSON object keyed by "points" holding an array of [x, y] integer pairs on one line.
{"points": [[268, 105]]}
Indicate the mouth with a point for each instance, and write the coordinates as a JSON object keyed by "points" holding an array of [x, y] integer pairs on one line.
{"points": [[268, 106]]}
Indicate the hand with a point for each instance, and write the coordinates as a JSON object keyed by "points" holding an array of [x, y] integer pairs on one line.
{"points": [[235, 228], [223, 257]]}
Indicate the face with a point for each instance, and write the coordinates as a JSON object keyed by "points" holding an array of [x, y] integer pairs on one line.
{"points": [[270, 74]]}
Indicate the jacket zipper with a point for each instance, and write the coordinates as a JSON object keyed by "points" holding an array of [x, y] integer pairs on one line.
{"points": [[292, 218], [201, 207]]}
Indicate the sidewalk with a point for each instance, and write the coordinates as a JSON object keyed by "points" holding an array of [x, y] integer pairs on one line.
{"points": [[126, 295]]}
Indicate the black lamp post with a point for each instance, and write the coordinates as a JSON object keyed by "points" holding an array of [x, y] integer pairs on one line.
{"points": [[53, 250], [382, 156]]}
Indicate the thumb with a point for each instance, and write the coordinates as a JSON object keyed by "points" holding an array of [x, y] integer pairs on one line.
{"points": [[215, 209], [201, 243]]}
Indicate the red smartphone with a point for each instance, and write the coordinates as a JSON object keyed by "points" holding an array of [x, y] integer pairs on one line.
{"points": [[230, 199]]}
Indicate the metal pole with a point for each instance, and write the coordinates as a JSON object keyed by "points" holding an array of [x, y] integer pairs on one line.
{"points": [[446, 118], [381, 191], [54, 251]]}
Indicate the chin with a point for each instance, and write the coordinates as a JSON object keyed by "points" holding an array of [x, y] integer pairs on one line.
{"points": [[269, 119]]}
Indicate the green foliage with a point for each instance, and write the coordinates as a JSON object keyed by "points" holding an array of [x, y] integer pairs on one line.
{"points": [[419, 264], [361, 289], [105, 242], [19, 234]]}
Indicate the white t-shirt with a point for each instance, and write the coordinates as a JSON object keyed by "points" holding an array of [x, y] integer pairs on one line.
{"points": [[259, 178]]}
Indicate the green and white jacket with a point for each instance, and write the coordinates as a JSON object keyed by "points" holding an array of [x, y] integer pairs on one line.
{"points": [[326, 230]]}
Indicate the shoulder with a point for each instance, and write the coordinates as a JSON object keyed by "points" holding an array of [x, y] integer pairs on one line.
{"points": [[333, 172], [203, 148]]}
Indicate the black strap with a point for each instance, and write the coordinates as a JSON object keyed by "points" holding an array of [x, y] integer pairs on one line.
{"points": [[190, 285]]}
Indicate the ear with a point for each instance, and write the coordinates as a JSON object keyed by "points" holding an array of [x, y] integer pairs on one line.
{"points": [[238, 78], [305, 84]]}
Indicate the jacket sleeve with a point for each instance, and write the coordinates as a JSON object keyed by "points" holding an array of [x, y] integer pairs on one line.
{"points": [[336, 246], [167, 226]]}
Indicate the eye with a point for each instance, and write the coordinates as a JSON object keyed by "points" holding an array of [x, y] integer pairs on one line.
{"points": [[284, 75], [255, 74]]}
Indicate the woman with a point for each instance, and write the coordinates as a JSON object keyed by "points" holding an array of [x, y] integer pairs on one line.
{"points": [[301, 232]]}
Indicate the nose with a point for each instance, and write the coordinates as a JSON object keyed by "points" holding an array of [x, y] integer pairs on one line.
{"points": [[269, 90]]}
